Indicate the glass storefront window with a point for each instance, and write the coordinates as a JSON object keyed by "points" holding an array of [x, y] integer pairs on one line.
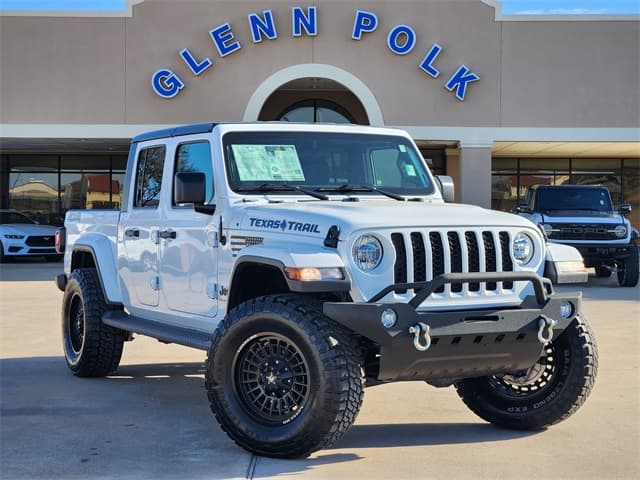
{"points": [[46, 186], [504, 184], [35, 194]]}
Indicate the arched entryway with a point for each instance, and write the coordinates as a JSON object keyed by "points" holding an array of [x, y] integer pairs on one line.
{"points": [[314, 92], [314, 100]]}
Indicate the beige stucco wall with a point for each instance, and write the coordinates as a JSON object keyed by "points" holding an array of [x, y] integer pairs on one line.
{"points": [[98, 70]]}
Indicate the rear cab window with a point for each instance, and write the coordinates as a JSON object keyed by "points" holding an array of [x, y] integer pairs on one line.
{"points": [[148, 182]]}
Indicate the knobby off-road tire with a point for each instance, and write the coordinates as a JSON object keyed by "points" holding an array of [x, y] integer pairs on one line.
{"points": [[282, 379], [552, 390], [3, 258], [628, 276], [91, 348]]}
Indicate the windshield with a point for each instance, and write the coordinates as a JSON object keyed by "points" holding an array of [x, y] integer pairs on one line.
{"points": [[14, 217], [567, 198], [325, 162]]}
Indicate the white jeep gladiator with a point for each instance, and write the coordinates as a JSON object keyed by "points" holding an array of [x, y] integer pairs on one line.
{"points": [[310, 261]]}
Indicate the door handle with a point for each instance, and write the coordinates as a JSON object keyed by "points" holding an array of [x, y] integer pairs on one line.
{"points": [[132, 233], [167, 234]]}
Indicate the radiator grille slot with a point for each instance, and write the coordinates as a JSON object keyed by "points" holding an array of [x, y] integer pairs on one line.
{"points": [[507, 265], [455, 250], [437, 256], [474, 257], [489, 256]]}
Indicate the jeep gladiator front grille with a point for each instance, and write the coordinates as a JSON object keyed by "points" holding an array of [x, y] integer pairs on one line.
{"points": [[581, 231], [423, 255]]}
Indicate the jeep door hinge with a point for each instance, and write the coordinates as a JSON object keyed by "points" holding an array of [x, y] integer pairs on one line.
{"points": [[155, 283], [155, 236]]}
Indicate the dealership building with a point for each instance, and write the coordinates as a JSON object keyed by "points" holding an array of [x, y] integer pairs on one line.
{"points": [[499, 102]]}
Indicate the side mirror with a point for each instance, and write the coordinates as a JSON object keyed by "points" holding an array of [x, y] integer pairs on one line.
{"points": [[447, 188], [523, 208], [189, 187], [624, 208]]}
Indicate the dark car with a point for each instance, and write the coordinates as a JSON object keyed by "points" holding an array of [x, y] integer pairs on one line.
{"points": [[584, 217]]}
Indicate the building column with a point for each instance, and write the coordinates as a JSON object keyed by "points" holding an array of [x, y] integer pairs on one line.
{"points": [[471, 171]]}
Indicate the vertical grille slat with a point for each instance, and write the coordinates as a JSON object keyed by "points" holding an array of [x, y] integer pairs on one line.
{"points": [[473, 256], [400, 266], [455, 251], [437, 256], [507, 264], [489, 256]]}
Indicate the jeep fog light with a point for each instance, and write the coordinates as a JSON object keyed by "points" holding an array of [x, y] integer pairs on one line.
{"points": [[388, 318], [522, 247], [313, 274], [566, 309], [367, 252]]}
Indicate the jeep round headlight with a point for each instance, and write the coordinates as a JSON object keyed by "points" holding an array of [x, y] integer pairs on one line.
{"points": [[522, 248], [620, 231], [367, 252]]}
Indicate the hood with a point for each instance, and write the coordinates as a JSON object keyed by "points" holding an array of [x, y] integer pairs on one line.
{"points": [[27, 229], [581, 216], [314, 218]]}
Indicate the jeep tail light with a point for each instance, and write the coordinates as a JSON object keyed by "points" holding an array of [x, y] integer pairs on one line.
{"points": [[61, 239]]}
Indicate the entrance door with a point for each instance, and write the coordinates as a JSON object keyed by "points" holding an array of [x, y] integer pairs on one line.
{"points": [[139, 229]]}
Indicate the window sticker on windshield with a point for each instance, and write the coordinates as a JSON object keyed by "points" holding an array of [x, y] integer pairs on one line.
{"points": [[266, 163], [402, 148], [410, 170], [601, 202]]}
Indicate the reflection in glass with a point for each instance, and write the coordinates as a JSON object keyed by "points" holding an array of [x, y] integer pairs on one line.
{"points": [[36, 195]]}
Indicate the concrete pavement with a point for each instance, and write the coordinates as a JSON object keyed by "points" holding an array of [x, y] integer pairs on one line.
{"points": [[152, 420]]}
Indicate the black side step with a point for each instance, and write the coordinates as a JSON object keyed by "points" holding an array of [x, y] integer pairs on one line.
{"points": [[165, 333]]}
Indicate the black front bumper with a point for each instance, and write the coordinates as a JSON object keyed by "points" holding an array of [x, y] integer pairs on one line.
{"points": [[464, 343], [598, 254]]}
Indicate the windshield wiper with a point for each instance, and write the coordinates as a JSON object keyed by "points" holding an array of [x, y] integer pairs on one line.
{"points": [[280, 187], [361, 188]]}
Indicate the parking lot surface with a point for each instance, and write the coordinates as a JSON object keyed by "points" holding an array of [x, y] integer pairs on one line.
{"points": [[152, 420]]}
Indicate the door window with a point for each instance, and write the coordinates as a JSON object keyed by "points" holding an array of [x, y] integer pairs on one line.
{"points": [[196, 157], [149, 177]]}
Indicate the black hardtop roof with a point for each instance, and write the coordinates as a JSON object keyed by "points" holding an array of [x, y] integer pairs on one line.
{"points": [[196, 128], [175, 132], [553, 187]]}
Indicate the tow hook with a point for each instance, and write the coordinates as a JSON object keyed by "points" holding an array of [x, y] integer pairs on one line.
{"points": [[548, 323], [417, 331]]}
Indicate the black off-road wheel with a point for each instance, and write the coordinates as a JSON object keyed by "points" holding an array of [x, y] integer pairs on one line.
{"points": [[283, 380], [547, 393], [3, 258], [91, 348], [628, 275]]}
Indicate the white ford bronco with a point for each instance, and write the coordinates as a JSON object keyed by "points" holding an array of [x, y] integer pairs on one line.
{"points": [[310, 261]]}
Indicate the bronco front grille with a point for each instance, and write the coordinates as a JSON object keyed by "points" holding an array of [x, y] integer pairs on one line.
{"points": [[423, 255], [581, 231]]}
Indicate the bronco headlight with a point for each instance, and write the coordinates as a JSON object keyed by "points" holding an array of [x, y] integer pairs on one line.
{"points": [[367, 252], [620, 231], [13, 236], [522, 247]]}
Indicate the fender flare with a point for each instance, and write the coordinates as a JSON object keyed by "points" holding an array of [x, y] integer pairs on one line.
{"points": [[279, 259], [99, 247]]}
